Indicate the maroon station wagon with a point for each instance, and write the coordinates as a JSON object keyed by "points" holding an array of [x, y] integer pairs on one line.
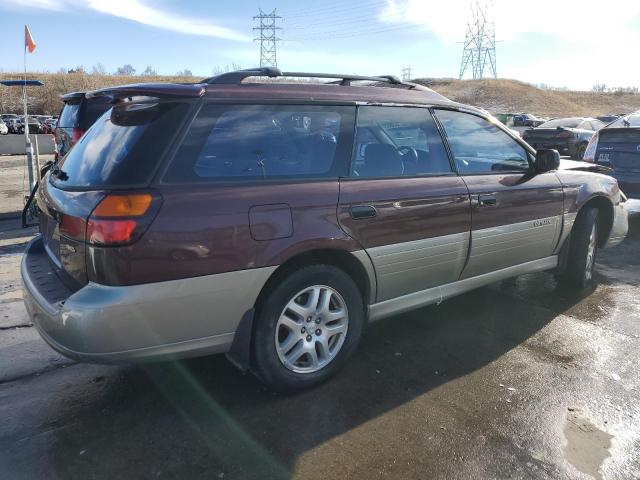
{"points": [[271, 221]]}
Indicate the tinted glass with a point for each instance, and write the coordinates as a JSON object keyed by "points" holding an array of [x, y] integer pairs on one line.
{"points": [[479, 146], [398, 141], [91, 111], [122, 147], [632, 120], [562, 122], [69, 115], [262, 142]]}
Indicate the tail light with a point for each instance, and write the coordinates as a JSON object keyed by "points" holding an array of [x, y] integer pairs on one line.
{"points": [[590, 152], [119, 219], [76, 134]]}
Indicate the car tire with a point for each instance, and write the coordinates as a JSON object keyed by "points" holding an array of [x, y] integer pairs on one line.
{"points": [[582, 148], [284, 340], [583, 248]]}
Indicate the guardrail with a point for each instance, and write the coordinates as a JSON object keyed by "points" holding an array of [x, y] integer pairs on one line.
{"points": [[14, 144]]}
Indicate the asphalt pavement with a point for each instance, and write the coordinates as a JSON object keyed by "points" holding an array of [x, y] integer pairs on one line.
{"points": [[520, 379]]}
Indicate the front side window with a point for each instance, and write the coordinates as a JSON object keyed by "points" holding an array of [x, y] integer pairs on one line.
{"points": [[478, 146], [264, 142], [398, 141]]}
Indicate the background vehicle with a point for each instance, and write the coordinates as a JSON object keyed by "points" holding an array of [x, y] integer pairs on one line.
{"points": [[527, 120], [570, 136], [271, 221], [34, 125], [77, 115], [608, 118], [3, 128], [618, 146]]}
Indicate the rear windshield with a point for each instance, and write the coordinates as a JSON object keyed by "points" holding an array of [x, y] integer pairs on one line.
{"points": [[69, 115], [123, 147], [562, 122]]}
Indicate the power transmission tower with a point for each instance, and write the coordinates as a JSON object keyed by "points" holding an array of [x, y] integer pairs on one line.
{"points": [[268, 38], [479, 50], [406, 73]]}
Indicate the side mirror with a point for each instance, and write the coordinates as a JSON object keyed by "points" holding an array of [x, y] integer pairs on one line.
{"points": [[546, 160]]}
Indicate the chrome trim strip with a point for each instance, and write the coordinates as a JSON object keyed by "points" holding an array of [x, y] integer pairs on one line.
{"points": [[437, 294]]}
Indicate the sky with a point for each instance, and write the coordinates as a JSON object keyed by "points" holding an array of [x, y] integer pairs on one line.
{"points": [[561, 43]]}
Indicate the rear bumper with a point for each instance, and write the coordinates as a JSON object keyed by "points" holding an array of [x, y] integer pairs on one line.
{"points": [[620, 226], [105, 324], [564, 148]]}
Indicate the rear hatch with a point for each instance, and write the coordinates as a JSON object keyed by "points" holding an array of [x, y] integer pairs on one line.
{"points": [[547, 136], [115, 159]]}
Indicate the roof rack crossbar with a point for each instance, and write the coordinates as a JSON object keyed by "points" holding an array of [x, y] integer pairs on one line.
{"points": [[239, 75]]}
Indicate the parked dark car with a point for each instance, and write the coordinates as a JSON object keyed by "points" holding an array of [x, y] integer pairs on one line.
{"points": [[34, 125], [527, 120], [272, 221], [77, 115], [618, 146], [570, 136]]}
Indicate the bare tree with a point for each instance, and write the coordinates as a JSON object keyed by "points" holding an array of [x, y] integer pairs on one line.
{"points": [[149, 72], [126, 69], [599, 88], [99, 69], [184, 73]]}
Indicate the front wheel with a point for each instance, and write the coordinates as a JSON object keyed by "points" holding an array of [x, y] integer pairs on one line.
{"points": [[307, 327], [582, 252]]}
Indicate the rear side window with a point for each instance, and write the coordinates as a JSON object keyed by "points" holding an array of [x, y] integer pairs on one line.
{"points": [[263, 142], [398, 141], [478, 146], [123, 147], [69, 115]]}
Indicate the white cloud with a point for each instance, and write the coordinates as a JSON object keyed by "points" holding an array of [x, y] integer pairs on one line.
{"points": [[579, 21], [139, 11]]}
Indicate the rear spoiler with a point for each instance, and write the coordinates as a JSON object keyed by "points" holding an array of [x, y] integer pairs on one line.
{"points": [[159, 90]]}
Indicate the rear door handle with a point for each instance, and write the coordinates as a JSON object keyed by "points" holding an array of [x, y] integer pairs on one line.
{"points": [[487, 201], [363, 211]]}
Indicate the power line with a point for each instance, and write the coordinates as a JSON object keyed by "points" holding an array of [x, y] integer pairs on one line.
{"points": [[479, 51], [335, 34], [268, 38]]}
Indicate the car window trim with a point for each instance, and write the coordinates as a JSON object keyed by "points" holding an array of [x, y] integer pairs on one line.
{"points": [[429, 108], [527, 148]]}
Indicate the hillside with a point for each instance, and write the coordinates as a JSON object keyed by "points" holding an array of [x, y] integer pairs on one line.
{"points": [[496, 96], [512, 96]]}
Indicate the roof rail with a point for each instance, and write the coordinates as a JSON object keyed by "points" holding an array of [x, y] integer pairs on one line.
{"points": [[239, 75]]}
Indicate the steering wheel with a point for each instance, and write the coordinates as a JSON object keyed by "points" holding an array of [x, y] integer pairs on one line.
{"points": [[409, 154]]}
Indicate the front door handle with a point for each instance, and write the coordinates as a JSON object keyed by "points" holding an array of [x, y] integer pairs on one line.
{"points": [[487, 201], [363, 211]]}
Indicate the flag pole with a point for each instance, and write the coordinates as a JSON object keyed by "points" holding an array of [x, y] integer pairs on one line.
{"points": [[27, 142]]}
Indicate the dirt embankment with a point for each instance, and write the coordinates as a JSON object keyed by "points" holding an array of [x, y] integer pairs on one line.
{"points": [[512, 96], [497, 96]]}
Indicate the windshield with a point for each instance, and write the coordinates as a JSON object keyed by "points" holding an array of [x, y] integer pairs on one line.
{"points": [[562, 122], [122, 147]]}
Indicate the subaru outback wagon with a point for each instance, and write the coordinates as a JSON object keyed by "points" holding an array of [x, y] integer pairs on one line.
{"points": [[271, 221]]}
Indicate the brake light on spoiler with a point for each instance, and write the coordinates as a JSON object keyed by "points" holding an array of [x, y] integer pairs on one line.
{"points": [[119, 219]]}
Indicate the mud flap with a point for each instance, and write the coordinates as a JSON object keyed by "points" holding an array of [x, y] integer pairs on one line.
{"points": [[240, 353]]}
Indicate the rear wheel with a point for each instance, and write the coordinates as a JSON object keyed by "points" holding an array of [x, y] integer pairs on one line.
{"points": [[307, 327], [582, 250]]}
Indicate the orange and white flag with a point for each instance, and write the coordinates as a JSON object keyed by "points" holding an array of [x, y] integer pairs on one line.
{"points": [[29, 44]]}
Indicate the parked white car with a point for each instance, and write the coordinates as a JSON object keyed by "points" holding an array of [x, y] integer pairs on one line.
{"points": [[3, 128]]}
